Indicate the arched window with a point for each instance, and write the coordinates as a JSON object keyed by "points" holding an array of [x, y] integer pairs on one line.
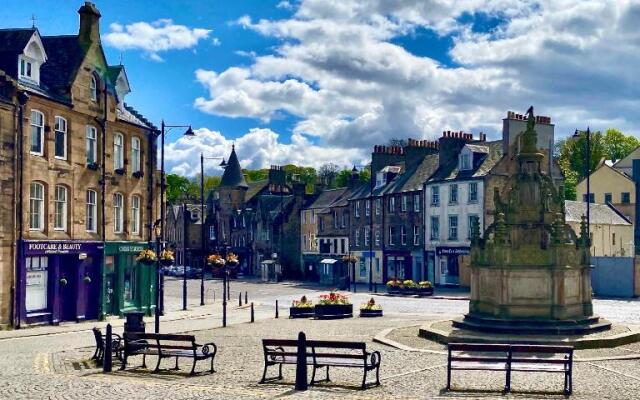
{"points": [[93, 88], [118, 153], [117, 213], [92, 211], [135, 215], [36, 206], [92, 144], [37, 132], [135, 154], [61, 138], [60, 209]]}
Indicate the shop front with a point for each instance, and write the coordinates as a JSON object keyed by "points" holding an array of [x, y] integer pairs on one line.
{"points": [[369, 266], [128, 285], [448, 262], [58, 281], [398, 265]]}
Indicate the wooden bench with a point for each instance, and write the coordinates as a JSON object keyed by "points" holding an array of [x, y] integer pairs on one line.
{"points": [[116, 342], [511, 358], [166, 346], [321, 354]]}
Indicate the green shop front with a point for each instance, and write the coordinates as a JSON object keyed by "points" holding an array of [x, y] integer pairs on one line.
{"points": [[127, 285]]}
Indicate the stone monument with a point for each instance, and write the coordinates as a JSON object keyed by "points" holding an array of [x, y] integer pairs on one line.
{"points": [[530, 272]]}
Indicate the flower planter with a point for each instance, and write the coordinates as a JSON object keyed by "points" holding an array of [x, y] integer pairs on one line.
{"points": [[393, 290], [333, 311], [367, 313], [301, 312], [166, 262], [409, 291], [425, 291]]}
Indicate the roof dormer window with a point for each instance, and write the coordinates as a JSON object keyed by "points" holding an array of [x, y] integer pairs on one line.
{"points": [[30, 60], [465, 161], [381, 179], [25, 68]]}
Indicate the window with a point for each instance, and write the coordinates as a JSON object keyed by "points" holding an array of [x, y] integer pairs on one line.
{"points": [[453, 194], [377, 237], [608, 198], [61, 138], [381, 179], [416, 235], [36, 206], [403, 204], [91, 211], [357, 239], [335, 219], [60, 209], [435, 195], [378, 206], [92, 144], [37, 283], [625, 197], [403, 235], [135, 215], [435, 228], [344, 219], [392, 233], [472, 220], [591, 198], [118, 155], [473, 192], [392, 204], [93, 88], [367, 234], [26, 68], [465, 162], [37, 133], [135, 154], [367, 207], [416, 203], [453, 227], [357, 209], [613, 239], [117, 213], [304, 217], [212, 232]]}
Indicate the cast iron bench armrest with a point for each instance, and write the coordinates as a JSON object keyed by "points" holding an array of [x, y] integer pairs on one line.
{"points": [[204, 348], [374, 358]]}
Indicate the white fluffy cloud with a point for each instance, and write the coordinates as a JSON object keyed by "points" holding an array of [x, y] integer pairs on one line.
{"points": [[258, 148], [155, 37], [338, 70]]}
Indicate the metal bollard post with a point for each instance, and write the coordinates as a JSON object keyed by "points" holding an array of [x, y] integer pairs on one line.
{"points": [[276, 308], [375, 287], [252, 314], [240, 299], [246, 297], [301, 363], [108, 350], [214, 296]]}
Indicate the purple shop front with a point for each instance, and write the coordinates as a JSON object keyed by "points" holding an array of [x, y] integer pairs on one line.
{"points": [[59, 281]]}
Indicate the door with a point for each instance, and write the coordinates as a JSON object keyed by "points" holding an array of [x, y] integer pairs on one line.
{"points": [[453, 270], [91, 285], [68, 284], [110, 302]]}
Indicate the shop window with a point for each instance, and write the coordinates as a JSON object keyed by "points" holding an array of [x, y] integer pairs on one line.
{"points": [[91, 144], [37, 278], [60, 209], [37, 133], [363, 268], [135, 214], [118, 151], [129, 283], [61, 138], [135, 154], [117, 213], [36, 206]]}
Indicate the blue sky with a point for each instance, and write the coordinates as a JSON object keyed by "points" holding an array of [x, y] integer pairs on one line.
{"points": [[316, 81]]}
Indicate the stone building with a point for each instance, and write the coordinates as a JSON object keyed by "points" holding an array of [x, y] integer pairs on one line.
{"points": [[82, 180], [184, 234]]}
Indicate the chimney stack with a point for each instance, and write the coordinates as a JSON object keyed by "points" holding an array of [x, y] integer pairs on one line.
{"points": [[89, 24]]}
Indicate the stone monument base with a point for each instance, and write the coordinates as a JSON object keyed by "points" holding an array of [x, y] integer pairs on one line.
{"points": [[489, 324]]}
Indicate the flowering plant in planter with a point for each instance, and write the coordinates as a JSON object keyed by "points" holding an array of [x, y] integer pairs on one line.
{"points": [[370, 305], [425, 284], [216, 260], [166, 257], [232, 259], [146, 257], [393, 283], [302, 303], [350, 259], [334, 298], [409, 284]]}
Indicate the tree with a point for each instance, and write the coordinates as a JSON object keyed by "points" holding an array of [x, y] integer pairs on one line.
{"points": [[327, 174], [176, 186], [618, 145], [253, 175]]}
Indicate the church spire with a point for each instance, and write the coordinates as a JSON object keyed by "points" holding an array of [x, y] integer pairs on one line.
{"points": [[232, 176]]}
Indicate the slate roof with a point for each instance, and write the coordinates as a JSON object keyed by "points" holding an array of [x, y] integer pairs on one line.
{"points": [[327, 198], [481, 165], [254, 188], [604, 214], [65, 56], [12, 43], [232, 176]]}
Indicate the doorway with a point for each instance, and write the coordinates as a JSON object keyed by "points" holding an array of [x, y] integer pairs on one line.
{"points": [[68, 285]]}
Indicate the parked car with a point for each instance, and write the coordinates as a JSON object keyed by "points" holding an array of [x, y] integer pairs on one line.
{"points": [[194, 272]]}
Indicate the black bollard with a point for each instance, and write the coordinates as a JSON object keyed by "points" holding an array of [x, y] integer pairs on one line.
{"points": [[108, 350], [252, 314], [276, 308], [240, 299], [375, 287], [246, 297], [301, 363], [214, 296]]}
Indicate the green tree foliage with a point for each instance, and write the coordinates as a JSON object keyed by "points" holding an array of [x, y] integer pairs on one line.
{"points": [[571, 153], [253, 175]]}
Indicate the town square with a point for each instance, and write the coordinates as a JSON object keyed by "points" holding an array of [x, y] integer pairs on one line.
{"points": [[319, 199]]}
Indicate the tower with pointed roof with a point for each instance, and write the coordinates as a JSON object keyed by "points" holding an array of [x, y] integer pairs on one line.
{"points": [[232, 193]]}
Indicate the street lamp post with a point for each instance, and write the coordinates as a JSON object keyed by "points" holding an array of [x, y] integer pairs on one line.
{"points": [[587, 172], [158, 233], [202, 220], [184, 256], [165, 129]]}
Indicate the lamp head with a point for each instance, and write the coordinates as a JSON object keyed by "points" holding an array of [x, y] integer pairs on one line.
{"points": [[189, 132]]}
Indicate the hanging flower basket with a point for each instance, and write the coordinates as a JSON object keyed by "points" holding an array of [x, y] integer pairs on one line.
{"points": [[147, 257], [232, 260], [216, 261], [166, 258]]}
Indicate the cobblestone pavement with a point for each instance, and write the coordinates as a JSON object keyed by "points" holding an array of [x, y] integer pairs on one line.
{"points": [[56, 366]]}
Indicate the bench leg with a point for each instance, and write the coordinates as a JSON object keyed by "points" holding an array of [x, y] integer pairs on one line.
{"points": [[212, 370], [124, 362], [264, 373], [280, 371], [313, 376], [193, 368], [568, 384], [328, 380], [95, 354], [507, 386], [144, 361], [449, 378], [177, 368], [364, 379], [157, 369], [378, 375]]}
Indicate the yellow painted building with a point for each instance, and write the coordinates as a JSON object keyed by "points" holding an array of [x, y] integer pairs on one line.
{"points": [[611, 183]]}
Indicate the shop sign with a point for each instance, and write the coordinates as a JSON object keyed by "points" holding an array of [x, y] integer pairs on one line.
{"points": [[453, 251], [131, 248], [38, 248]]}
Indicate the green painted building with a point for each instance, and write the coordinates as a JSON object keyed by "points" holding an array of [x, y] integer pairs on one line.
{"points": [[126, 284]]}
